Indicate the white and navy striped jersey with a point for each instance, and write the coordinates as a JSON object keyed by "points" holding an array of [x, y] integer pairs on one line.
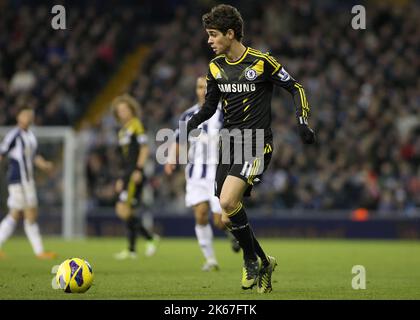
{"points": [[203, 153], [20, 146]]}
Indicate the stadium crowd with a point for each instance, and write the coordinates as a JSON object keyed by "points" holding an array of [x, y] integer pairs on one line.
{"points": [[58, 72], [363, 87]]}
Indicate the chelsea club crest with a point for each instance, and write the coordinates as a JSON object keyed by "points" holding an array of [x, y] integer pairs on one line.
{"points": [[250, 74]]}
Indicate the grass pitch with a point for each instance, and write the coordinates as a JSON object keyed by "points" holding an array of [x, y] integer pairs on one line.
{"points": [[308, 269]]}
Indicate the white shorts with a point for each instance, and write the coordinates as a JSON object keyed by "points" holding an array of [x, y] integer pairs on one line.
{"points": [[202, 190], [22, 196]]}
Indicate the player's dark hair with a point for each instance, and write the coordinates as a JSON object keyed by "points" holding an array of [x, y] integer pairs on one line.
{"points": [[224, 17], [129, 101]]}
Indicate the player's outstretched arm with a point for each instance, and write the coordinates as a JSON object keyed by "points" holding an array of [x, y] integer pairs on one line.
{"points": [[302, 108], [279, 76], [43, 164]]}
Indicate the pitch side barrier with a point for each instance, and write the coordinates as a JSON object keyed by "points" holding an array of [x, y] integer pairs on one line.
{"points": [[300, 225]]}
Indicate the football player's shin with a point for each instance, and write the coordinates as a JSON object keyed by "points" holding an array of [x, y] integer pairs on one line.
{"points": [[241, 230]]}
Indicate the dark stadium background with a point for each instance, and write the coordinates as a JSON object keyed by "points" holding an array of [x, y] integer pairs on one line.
{"points": [[361, 179]]}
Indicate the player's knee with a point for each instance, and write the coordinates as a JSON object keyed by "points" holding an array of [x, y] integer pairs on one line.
{"points": [[201, 219], [201, 214], [31, 215], [228, 204]]}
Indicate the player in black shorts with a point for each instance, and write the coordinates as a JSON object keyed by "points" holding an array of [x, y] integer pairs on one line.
{"points": [[134, 151], [242, 78]]}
